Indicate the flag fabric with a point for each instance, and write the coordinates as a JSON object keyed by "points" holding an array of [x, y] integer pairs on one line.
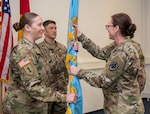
{"points": [[24, 7], [0, 37], [71, 59], [6, 42]]}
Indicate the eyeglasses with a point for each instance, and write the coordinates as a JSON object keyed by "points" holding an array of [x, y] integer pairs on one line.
{"points": [[107, 26]]}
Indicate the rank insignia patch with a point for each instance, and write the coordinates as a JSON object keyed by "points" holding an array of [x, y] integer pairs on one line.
{"points": [[113, 66]]}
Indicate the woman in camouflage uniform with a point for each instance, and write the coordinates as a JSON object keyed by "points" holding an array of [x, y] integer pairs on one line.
{"points": [[123, 77], [29, 91]]}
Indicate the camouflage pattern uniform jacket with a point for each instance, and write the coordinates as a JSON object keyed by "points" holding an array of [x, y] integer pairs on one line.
{"points": [[119, 78], [56, 55], [29, 91]]}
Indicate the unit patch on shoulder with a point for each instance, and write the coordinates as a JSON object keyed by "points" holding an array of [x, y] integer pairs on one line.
{"points": [[113, 66], [24, 62]]}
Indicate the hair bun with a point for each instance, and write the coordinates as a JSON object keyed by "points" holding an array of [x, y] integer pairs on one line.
{"points": [[131, 29], [16, 26]]}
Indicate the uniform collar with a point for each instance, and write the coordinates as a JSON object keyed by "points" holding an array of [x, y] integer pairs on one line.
{"points": [[28, 43], [51, 46]]}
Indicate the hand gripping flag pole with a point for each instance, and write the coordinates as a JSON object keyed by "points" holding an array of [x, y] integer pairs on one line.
{"points": [[71, 60]]}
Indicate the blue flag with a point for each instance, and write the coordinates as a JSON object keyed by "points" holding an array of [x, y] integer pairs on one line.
{"points": [[71, 59]]}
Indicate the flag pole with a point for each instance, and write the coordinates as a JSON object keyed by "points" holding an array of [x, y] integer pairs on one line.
{"points": [[1, 96]]}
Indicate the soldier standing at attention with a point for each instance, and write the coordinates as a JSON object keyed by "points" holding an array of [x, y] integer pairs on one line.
{"points": [[59, 77], [29, 91], [123, 77]]}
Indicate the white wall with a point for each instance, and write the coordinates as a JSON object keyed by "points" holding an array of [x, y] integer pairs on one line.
{"points": [[92, 97], [146, 92], [147, 26], [93, 16]]}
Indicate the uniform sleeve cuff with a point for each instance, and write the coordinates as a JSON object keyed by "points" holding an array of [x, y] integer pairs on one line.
{"points": [[63, 97], [81, 37], [80, 73]]}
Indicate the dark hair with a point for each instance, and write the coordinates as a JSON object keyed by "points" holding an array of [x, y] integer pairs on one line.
{"points": [[47, 22], [125, 24], [25, 19]]}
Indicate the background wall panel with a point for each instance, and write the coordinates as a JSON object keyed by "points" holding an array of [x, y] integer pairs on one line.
{"points": [[93, 16]]}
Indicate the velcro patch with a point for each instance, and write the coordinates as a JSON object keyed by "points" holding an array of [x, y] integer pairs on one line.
{"points": [[24, 62], [113, 66]]}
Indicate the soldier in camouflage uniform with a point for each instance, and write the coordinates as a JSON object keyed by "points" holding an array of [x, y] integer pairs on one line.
{"points": [[29, 91], [59, 75], [124, 72]]}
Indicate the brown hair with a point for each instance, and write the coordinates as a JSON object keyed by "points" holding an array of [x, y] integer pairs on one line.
{"points": [[25, 19], [47, 22], [127, 28]]}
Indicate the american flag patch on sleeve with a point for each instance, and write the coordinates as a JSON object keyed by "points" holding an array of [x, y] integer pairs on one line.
{"points": [[24, 62]]}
